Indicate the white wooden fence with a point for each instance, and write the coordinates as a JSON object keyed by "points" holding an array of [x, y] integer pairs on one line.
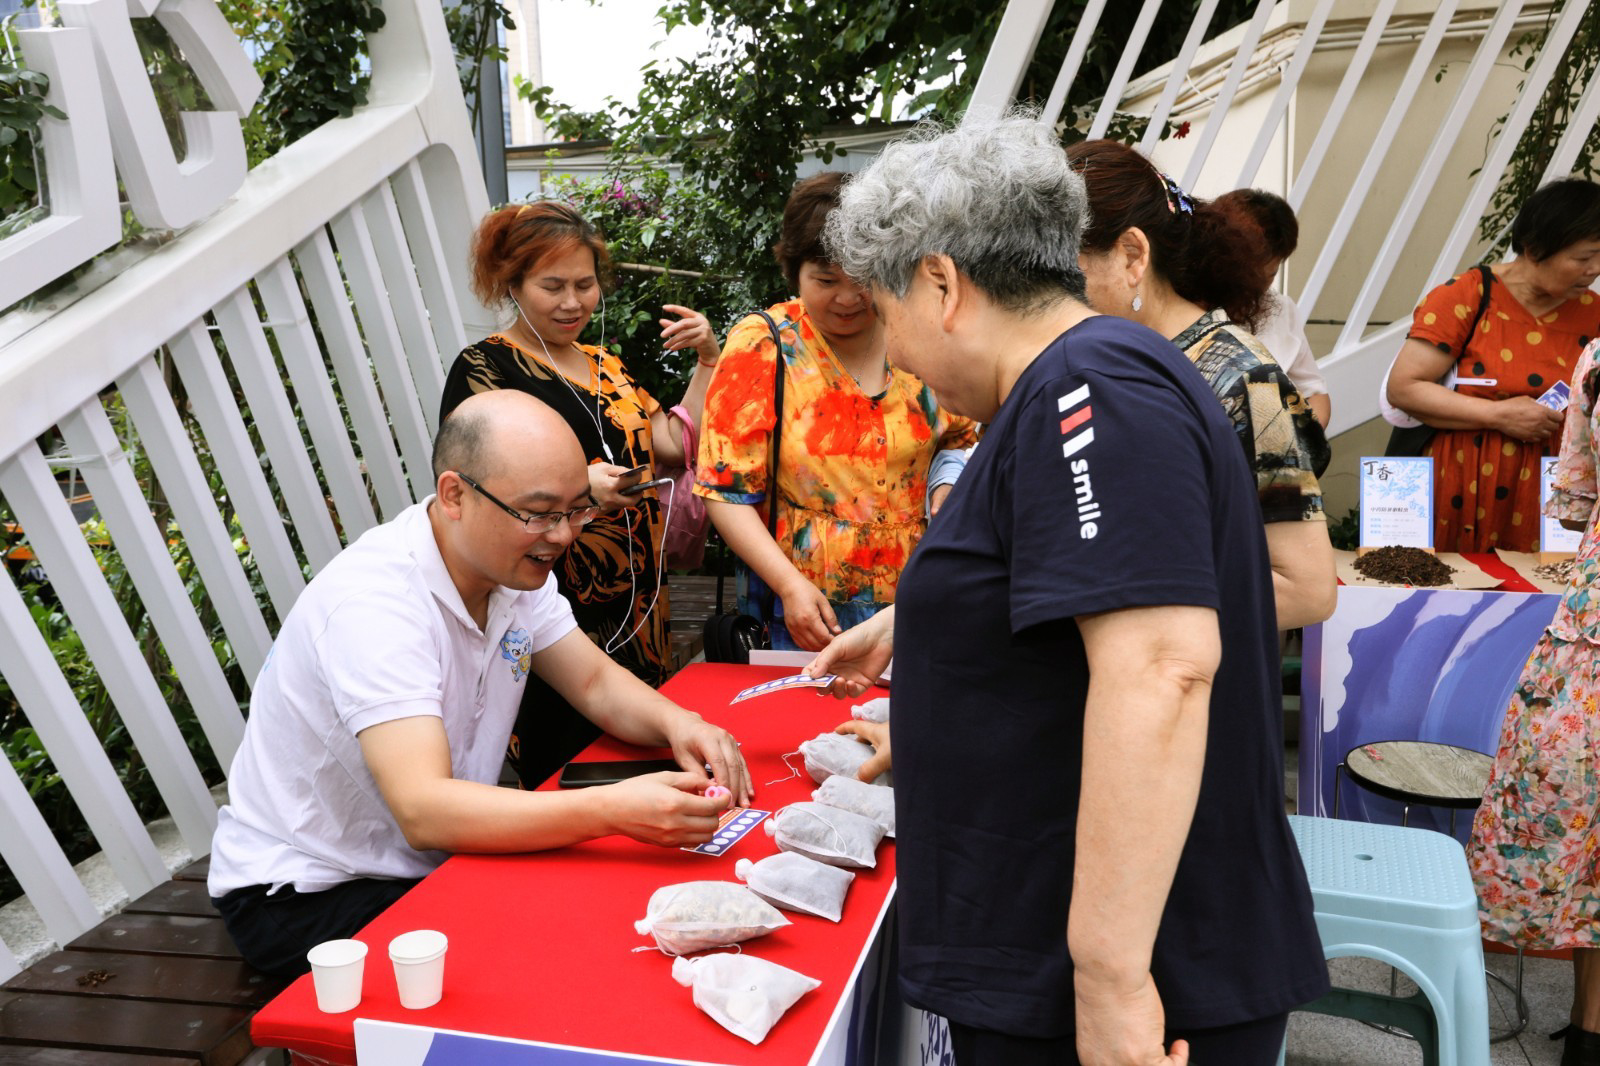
{"points": [[332, 289], [1357, 355]]}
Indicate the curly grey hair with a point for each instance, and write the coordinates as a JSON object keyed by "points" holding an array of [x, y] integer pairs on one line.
{"points": [[997, 196]]}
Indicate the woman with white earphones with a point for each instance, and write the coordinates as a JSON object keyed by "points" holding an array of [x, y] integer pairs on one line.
{"points": [[548, 266]]}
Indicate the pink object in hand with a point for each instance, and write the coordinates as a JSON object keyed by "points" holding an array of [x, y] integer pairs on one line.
{"points": [[716, 792]]}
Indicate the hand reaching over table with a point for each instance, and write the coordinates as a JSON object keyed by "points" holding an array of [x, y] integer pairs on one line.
{"points": [[697, 743]]}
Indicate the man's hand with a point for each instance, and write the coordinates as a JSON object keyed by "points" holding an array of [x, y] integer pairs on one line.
{"points": [[1122, 1026], [936, 498], [808, 615], [697, 743], [664, 809], [876, 734], [859, 656]]}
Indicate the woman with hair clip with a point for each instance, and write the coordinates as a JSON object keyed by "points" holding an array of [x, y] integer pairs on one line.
{"points": [[1160, 257], [866, 453], [547, 266]]}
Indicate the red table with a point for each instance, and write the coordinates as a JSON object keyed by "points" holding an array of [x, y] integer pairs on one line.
{"points": [[542, 945]]}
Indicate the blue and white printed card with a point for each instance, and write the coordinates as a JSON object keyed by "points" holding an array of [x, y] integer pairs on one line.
{"points": [[1553, 537], [1396, 502]]}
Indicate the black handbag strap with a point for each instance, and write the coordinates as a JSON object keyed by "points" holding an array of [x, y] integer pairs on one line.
{"points": [[1483, 305], [777, 438], [777, 425]]}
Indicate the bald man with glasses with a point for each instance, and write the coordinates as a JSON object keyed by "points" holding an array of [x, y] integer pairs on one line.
{"points": [[378, 725]]}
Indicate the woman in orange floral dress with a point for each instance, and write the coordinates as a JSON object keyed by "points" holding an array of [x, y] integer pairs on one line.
{"points": [[859, 439], [1492, 429]]}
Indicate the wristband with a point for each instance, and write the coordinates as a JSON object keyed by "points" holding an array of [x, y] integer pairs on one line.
{"points": [[702, 362]]}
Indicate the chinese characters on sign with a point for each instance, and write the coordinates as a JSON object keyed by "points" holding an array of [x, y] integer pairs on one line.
{"points": [[1396, 502], [1552, 536]]}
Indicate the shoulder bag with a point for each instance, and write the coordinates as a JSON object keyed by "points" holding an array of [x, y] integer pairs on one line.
{"points": [[1414, 440], [730, 635]]}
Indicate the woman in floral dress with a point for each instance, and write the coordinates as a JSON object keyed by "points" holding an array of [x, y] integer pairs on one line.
{"points": [[1534, 853]]}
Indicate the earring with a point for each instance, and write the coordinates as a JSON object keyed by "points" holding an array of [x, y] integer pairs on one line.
{"points": [[1138, 301]]}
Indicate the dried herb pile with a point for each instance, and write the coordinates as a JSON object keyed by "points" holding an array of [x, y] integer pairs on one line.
{"points": [[1559, 572], [1404, 566]]}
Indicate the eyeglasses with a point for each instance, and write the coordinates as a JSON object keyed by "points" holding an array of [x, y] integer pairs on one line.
{"points": [[538, 521]]}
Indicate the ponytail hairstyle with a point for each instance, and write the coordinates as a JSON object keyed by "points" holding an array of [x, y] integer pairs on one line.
{"points": [[513, 240], [1194, 246]]}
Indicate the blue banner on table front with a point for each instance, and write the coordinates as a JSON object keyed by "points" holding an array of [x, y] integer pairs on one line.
{"points": [[1409, 664]]}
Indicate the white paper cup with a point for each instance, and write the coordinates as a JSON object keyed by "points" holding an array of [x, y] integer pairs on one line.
{"points": [[418, 958], [336, 970]]}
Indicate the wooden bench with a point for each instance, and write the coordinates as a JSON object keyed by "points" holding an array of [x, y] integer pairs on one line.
{"points": [[158, 983], [694, 599]]}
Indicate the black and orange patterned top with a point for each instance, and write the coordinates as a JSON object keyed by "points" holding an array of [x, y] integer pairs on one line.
{"points": [[1486, 483], [609, 572], [853, 468]]}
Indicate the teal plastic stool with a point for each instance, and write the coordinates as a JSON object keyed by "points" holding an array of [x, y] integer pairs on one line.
{"points": [[1404, 897]]}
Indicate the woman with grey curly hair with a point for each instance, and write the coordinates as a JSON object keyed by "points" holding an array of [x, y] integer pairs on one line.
{"points": [[1115, 661]]}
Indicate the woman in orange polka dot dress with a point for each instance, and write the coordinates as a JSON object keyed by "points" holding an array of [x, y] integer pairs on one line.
{"points": [[1492, 430]]}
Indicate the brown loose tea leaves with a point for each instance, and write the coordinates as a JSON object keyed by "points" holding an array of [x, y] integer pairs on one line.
{"points": [[95, 978], [1404, 566]]}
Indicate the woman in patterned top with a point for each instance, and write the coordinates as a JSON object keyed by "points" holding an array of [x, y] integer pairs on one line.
{"points": [[547, 265], [1532, 851], [1493, 432], [859, 438], [1162, 258]]}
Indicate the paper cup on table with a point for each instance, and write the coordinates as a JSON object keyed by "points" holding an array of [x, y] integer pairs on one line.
{"points": [[336, 970], [418, 958]]}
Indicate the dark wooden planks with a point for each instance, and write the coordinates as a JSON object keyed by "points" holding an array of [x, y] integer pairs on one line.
{"points": [[211, 1035], [175, 897], [159, 934], [95, 974]]}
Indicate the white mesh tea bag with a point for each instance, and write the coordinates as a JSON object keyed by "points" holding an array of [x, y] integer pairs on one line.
{"points": [[829, 754], [796, 883], [827, 834], [872, 711], [697, 915], [743, 994], [858, 797]]}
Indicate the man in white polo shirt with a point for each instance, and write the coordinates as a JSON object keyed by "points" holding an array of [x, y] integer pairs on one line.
{"points": [[378, 725]]}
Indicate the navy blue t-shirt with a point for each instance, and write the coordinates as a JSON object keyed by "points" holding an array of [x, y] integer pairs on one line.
{"points": [[1110, 479]]}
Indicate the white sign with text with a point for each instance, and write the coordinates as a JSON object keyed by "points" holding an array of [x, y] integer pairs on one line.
{"points": [[1396, 502], [1553, 537]]}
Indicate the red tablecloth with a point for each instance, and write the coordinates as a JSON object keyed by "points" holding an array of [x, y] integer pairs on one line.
{"points": [[541, 945], [1510, 580]]}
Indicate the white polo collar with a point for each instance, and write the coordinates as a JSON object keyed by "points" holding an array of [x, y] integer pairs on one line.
{"points": [[417, 530]]}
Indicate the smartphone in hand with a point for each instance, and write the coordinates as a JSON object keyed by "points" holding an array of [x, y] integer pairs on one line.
{"points": [[634, 490]]}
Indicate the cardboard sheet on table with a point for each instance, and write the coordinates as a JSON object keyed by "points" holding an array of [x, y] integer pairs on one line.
{"points": [[1524, 564], [1467, 575]]}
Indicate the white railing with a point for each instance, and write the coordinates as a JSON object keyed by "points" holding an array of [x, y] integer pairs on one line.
{"points": [[331, 289], [1373, 241]]}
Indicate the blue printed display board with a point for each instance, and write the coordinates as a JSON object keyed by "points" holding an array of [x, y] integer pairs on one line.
{"points": [[1409, 664], [392, 1044]]}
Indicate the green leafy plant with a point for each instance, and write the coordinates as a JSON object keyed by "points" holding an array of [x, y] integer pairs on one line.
{"points": [[22, 108], [1537, 145]]}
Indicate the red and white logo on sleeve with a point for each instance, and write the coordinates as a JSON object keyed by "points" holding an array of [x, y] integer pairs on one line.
{"points": [[1077, 433]]}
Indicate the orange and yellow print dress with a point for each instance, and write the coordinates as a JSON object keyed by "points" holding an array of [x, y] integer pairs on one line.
{"points": [[1486, 483], [853, 471]]}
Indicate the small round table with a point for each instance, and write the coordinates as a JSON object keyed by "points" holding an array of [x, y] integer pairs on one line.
{"points": [[1412, 772]]}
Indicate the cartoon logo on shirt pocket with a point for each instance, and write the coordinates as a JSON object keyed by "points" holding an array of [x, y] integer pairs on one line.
{"points": [[516, 647]]}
